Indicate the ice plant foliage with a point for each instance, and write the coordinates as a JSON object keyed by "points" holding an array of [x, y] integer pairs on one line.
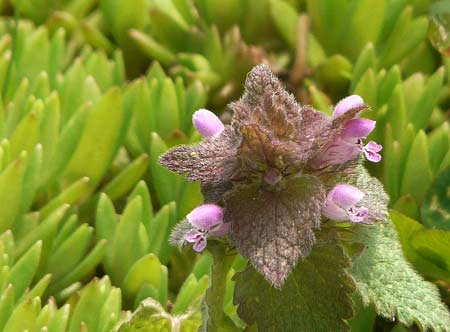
{"points": [[277, 172]]}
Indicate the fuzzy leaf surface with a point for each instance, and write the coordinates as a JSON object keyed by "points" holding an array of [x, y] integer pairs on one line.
{"points": [[385, 278], [317, 296], [275, 228], [151, 317]]}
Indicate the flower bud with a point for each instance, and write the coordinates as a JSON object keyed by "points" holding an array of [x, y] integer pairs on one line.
{"points": [[205, 216], [207, 123], [347, 104], [341, 203]]}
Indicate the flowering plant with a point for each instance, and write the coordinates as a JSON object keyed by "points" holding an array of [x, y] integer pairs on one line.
{"points": [[277, 182], [278, 171]]}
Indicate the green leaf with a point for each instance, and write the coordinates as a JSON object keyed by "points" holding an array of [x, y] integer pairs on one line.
{"points": [[189, 294], [23, 317], [22, 273], [152, 48], [145, 270], [417, 177], [435, 209], [66, 257], [407, 34], [89, 305], [165, 183], [384, 277], [60, 320], [110, 311], [151, 316], [11, 182], [125, 245], [73, 193], [127, 178], [366, 87], [285, 18], [103, 126], [406, 228], [366, 59], [43, 231], [420, 115], [6, 305], [158, 230], [85, 267], [363, 24], [439, 142], [316, 296]]}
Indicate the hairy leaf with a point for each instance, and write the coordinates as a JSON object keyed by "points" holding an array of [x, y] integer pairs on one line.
{"points": [[385, 278], [317, 296], [275, 228], [151, 317], [213, 160]]}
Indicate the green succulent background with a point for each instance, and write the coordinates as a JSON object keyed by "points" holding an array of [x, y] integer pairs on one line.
{"points": [[92, 92]]}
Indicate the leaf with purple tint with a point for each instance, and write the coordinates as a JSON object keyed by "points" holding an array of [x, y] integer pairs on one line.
{"points": [[211, 161], [275, 228]]}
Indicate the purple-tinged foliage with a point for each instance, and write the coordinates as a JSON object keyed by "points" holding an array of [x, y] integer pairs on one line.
{"points": [[271, 170]]}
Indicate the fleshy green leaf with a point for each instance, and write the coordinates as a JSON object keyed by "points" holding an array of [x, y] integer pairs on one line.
{"points": [[436, 207]]}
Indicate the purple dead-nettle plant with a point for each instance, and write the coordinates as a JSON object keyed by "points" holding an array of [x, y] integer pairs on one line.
{"points": [[276, 173]]}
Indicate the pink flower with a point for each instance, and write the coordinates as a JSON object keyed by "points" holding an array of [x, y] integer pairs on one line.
{"points": [[347, 104], [370, 151], [207, 220], [207, 123], [341, 205], [349, 144]]}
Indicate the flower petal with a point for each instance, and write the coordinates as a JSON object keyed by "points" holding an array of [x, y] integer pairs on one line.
{"points": [[347, 104], [358, 215], [205, 216], [373, 146], [192, 235], [333, 211], [200, 244], [345, 195], [370, 151], [357, 128], [207, 123]]}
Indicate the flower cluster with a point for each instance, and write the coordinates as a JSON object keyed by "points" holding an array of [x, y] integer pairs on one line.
{"points": [[276, 173]]}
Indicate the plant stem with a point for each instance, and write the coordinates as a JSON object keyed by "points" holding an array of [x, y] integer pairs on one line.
{"points": [[215, 295]]}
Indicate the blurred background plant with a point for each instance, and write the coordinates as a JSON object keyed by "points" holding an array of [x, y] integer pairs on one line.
{"points": [[92, 92]]}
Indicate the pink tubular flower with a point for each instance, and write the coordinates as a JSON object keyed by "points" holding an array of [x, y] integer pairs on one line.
{"points": [[341, 203], [207, 123], [349, 144], [346, 104], [207, 220]]}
